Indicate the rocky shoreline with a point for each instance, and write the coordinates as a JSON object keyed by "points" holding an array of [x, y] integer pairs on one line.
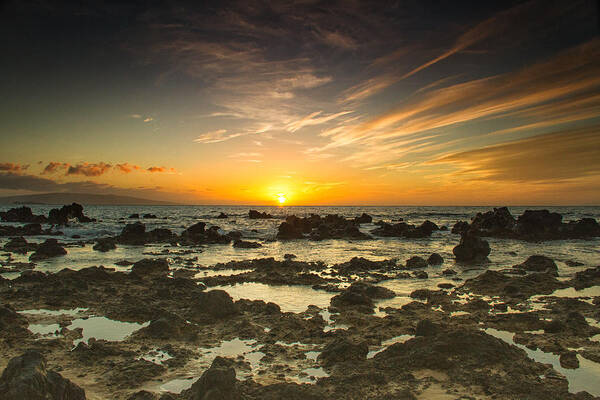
{"points": [[151, 330]]}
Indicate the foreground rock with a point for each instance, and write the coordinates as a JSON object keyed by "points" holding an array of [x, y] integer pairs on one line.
{"points": [[105, 244], [360, 296], [218, 383], [135, 234], [26, 377], [539, 263]]}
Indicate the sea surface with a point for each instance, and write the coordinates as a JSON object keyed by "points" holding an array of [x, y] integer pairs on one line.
{"points": [[504, 252]]}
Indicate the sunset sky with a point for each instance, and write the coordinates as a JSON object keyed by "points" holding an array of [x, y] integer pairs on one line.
{"points": [[323, 102]]}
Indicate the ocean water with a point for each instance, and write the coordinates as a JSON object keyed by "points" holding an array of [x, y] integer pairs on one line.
{"points": [[112, 219]]}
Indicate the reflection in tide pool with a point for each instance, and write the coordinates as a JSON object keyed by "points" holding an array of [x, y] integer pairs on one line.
{"points": [[104, 328], [178, 385], [289, 298], [584, 378], [45, 329]]}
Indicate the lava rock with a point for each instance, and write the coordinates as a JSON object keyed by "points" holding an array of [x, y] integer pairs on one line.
{"points": [[27, 377], [538, 263], [241, 244], [150, 267], [50, 248], [471, 248], [21, 214], [105, 244], [61, 216], [216, 383], [363, 219], [416, 262], [343, 350], [253, 214], [435, 259], [19, 245]]}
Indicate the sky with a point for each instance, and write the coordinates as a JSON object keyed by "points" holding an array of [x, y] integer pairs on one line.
{"points": [[305, 102]]}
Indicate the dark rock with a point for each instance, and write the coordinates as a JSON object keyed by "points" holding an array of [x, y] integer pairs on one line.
{"points": [[241, 244], [421, 275], [471, 248], [539, 263], [426, 328], [22, 214], [569, 360], [435, 259], [222, 216], [26, 230], [149, 216], [105, 244], [216, 383], [460, 227], [289, 256], [216, 303], [133, 234], [61, 216], [448, 271], [343, 350], [50, 248], [253, 214], [168, 327], [363, 219], [160, 235], [361, 295], [19, 245], [27, 377], [416, 262], [445, 285], [498, 222], [150, 267], [403, 229], [134, 216], [12, 323], [538, 223]]}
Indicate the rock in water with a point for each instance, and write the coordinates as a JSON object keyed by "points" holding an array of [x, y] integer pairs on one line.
{"points": [[61, 216], [363, 219], [539, 263], [26, 377], [253, 214], [343, 350], [148, 267], [471, 248], [50, 248], [105, 244], [416, 262], [21, 214], [435, 259]]}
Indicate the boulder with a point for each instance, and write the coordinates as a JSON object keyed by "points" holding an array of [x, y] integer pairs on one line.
{"points": [[27, 377], [133, 234], [241, 244], [26, 230], [471, 248], [149, 216], [105, 244], [216, 383], [215, 303], [253, 214], [460, 227], [416, 262], [21, 214], [61, 216], [343, 350], [361, 295], [435, 259], [363, 219], [222, 216], [150, 267], [134, 216], [538, 263], [50, 248], [498, 222], [19, 245]]}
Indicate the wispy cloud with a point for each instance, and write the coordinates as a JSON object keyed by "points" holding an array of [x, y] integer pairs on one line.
{"points": [[551, 158], [314, 119]]}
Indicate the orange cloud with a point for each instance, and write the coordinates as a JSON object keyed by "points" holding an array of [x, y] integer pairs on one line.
{"points": [[88, 169], [11, 167], [127, 168]]}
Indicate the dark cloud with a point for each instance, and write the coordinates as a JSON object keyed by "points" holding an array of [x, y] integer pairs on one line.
{"points": [[89, 169]]}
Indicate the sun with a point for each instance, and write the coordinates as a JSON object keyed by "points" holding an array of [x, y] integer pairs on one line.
{"points": [[281, 198]]}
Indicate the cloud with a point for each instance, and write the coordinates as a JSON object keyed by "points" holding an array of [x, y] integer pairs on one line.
{"points": [[11, 167], [547, 158], [161, 169], [314, 119], [98, 169], [54, 166], [504, 25], [88, 169], [148, 119], [127, 168], [560, 90], [136, 116]]}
